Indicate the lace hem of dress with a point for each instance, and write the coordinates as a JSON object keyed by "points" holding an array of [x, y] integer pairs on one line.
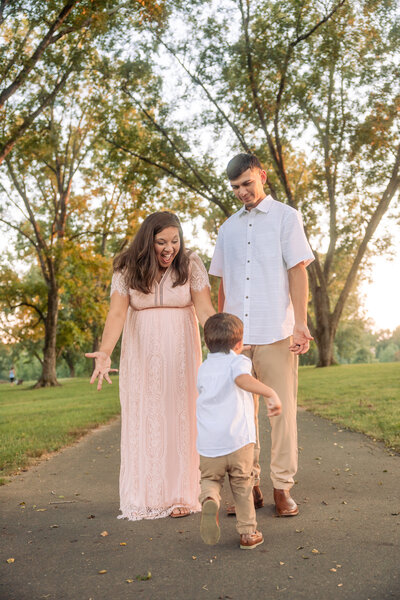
{"points": [[133, 514]]}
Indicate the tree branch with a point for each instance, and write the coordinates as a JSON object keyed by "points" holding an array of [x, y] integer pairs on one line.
{"points": [[31, 62], [318, 25], [383, 205], [211, 198], [8, 146]]}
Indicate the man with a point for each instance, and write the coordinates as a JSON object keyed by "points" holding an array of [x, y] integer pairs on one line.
{"points": [[261, 256]]}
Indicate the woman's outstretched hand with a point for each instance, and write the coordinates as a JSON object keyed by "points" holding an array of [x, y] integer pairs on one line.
{"points": [[102, 368]]}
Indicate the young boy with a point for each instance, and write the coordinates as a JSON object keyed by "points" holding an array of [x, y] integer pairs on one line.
{"points": [[226, 430]]}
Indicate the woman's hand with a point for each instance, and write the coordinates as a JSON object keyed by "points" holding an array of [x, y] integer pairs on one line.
{"points": [[102, 367]]}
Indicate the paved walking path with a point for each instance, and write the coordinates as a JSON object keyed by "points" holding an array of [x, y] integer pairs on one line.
{"points": [[343, 545]]}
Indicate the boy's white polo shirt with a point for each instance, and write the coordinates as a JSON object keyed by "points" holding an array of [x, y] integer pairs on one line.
{"points": [[225, 412]]}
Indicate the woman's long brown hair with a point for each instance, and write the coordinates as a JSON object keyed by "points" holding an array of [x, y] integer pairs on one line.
{"points": [[139, 262]]}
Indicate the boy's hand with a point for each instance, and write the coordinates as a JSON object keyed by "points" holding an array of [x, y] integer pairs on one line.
{"points": [[274, 406]]}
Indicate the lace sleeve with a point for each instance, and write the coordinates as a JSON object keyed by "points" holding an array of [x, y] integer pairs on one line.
{"points": [[198, 274], [118, 284]]}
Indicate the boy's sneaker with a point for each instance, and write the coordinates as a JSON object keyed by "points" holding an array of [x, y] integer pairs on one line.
{"points": [[209, 526], [248, 541]]}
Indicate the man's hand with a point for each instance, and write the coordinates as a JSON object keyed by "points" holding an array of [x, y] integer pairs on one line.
{"points": [[102, 368], [301, 339]]}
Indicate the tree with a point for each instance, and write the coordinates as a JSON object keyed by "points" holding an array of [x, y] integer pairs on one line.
{"points": [[42, 169], [42, 44], [314, 91]]}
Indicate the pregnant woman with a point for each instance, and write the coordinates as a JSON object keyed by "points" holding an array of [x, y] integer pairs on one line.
{"points": [[158, 289]]}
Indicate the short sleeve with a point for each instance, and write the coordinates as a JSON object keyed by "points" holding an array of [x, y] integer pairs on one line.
{"points": [[198, 274], [118, 284], [217, 261], [295, 247], [241, 365]]}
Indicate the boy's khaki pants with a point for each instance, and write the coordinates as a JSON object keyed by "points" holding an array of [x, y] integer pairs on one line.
{"points": [[239, 466], [276, 366]]}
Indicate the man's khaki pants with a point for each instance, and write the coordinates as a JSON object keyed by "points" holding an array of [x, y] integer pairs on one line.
{"points": [[239, 466], [276, 366]]}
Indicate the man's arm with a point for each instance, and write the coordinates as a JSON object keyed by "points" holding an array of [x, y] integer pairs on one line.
{"points": [[221, 296], [298, 288]]}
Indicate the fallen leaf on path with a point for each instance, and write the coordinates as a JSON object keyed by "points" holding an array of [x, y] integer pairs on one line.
{"points": [[122, 543], [143, 577], [333, 570], [91, 517], [102, 571], [315, 551], [281, 563], [129, 580], [194, 557], [205, 587], [104, 534], [300, 548], [10, 560], [339, 584], [41, 509]]}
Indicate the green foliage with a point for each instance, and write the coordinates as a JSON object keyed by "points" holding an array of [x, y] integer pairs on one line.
{"points": [[35, 422], [360, 397]]}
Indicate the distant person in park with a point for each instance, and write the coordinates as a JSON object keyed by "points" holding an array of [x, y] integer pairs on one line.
{"points": [[226, 428], [261, 255], [158, 288], [12, 375]]}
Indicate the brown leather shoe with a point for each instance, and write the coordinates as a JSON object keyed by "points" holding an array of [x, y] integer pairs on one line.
{"points": [[258, 497], [248, 541], [284, 504]]}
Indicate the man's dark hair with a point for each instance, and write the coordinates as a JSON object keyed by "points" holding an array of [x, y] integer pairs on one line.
{"points": [[240, 163], [222, 332]]}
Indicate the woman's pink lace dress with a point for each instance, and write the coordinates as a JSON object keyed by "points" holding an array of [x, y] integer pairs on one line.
{"points": [[160, 356]]}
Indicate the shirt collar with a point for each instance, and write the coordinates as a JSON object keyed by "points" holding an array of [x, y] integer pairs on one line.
{"points": [[221, 354], [264, 206]]}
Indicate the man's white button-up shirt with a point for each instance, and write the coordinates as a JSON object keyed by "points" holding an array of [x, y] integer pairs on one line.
{"points": [[253, 253]]}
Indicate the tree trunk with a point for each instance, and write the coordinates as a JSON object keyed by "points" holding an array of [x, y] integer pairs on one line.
{"points": [[325, 328], [48, 376], [325, 344]]}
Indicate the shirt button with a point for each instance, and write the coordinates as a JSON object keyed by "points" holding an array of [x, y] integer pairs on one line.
{"points": [[246, 315], [246, 297], [248, 261], [247, 278], [248, 243], [250, 225]]}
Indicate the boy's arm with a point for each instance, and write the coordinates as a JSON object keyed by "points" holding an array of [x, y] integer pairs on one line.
{"points": [[251, 384]]}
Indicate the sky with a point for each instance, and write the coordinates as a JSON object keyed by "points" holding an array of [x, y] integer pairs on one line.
{"points": [[382, 295]]}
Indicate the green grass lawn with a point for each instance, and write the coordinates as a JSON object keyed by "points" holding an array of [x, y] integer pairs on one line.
{"points": [[364, 398], [35, 422]]}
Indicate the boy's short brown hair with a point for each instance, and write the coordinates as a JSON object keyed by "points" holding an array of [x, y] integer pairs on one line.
{"points": [[222, 332]]}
